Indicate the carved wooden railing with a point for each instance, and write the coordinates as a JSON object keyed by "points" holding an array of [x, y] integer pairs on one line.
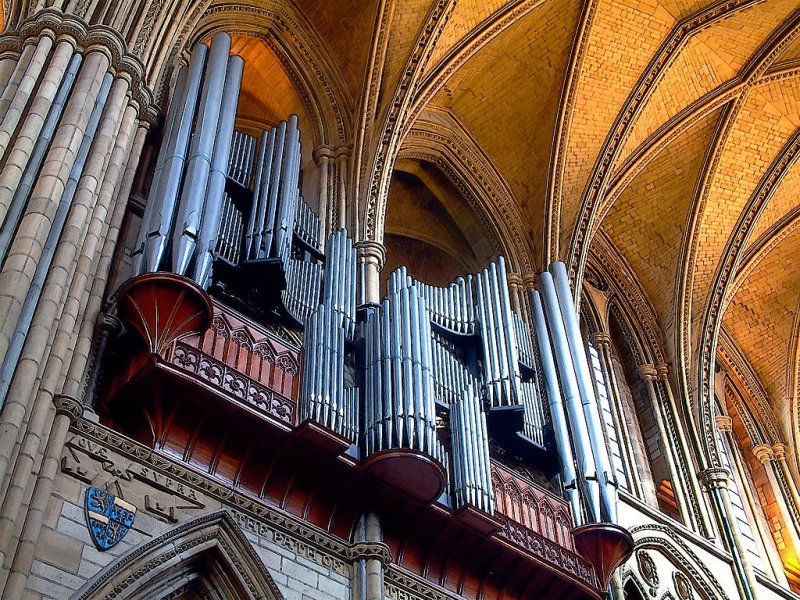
{"points": [[242, 360], [528, 507]]}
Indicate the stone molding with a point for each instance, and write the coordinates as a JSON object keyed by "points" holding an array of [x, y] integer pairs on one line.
{"points": [[69, 407], [369, 551]]}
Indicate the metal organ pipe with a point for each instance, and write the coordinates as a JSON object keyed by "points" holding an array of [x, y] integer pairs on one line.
{"points": [[155, 230], [605, 473], [558, 413], [198, 165], [214, 197], [572, 399], [471, 463]]}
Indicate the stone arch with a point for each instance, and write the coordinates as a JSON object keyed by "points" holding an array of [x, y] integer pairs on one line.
{"points": [[662, 540], [459, 157], [291, 38], [210, 550]]}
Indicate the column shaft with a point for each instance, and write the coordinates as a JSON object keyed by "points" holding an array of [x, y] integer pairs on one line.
{"points": [[26, 85], [16, 75], [705, 523], [20, 150], [26, 251]]}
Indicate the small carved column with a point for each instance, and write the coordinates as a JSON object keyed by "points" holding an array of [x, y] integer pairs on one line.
{"points": [[109, 327], [704, 524], [715, 481], [602, 342], [649, 375], [370, 556], [371, 258], [333, 163], [773, 459]]}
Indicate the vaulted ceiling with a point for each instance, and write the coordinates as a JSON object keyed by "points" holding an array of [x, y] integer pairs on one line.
{"points": [[668, 128]]}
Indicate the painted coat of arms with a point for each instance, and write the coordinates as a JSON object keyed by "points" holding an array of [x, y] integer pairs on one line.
{"points": [[109, 518]]}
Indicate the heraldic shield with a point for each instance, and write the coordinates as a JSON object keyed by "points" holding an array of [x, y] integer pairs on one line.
{"points": [[109, 518]]}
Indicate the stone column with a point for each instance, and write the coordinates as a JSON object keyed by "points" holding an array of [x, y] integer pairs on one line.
{"points": [[322, 156], [704, 524], [371, 258], [16, 75], [715, 481], [649, 375], [602, 342], [19, 152], [16, 106], [766, 455], [63, 293], [370, 557], [68, 410]]}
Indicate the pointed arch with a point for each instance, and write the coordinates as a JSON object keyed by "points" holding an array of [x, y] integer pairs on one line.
{"points": [[210, 550]]}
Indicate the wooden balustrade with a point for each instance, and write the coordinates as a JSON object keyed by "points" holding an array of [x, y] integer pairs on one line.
{"points": [[529, 505]]}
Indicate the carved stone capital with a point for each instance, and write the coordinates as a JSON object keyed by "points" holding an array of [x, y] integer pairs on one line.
{"points": [[724, 423], [371, 252], [332, 152], [764, 453], [111, 325], [529, 279], [68, 406], [514, 279], [601, 339], [779, 450], [370, 550], [663, 371], [648, 372], [714, 477]]}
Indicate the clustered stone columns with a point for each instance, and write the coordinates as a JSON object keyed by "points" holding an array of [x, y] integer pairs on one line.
{"points": [[649, 375], [371, 258], [703, 522], [333, 162], [773, 459], [57, 259], [370, 557], [715, 481]]}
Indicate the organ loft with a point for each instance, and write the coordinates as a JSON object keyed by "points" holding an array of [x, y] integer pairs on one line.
{"points": [[399, 299]]}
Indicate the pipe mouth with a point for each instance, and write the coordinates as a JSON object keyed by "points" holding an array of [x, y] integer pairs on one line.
{"points": [[606, 546]]}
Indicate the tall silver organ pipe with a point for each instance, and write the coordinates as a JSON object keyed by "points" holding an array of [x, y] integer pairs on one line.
{"points": [[399, 406], [450, 375], [201, 149], [558, 413], [151, 244], [472, 478], [324, 398], [605, 473], [240, 162], [533, 421], [587, 467], [211, 213], [258, 206], [307, 225], [498, 335], [230, 231]]}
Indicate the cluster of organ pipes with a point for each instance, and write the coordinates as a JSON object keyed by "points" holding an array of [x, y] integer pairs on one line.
{"points": [[380, 375], [185, 205], [399, 405], [586, 470]]}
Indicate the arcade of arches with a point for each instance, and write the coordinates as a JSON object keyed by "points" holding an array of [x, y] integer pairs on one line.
{"points": [[651, 145]]}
